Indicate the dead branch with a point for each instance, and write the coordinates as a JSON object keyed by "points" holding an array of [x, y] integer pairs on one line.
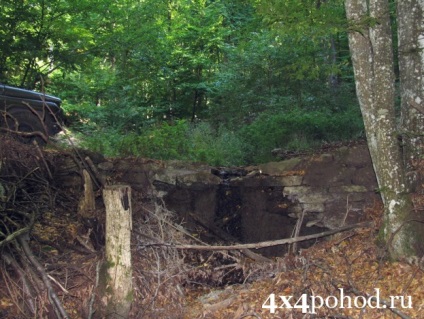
{"points": [[296, 230], [40, 118], [93, 293], [54, 299], [19, 232], [29, 291], [416, 106], [24, 134], [178, 228], [95, 172], [43, 159], [15, 235], [227, 237], [274, 242]]}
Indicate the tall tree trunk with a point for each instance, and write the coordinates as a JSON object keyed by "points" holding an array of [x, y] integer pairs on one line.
{"points": [[410, 17], [370, 42], [2, 191]]}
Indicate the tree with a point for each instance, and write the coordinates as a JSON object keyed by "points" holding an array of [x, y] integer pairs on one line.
{"points": [[38, 37], [370, 40], [410, 19]]}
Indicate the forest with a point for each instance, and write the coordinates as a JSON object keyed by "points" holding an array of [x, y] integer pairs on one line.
{"points": [[220, 86], [217, 81]]}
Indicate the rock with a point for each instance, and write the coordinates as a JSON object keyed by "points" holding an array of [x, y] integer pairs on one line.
{"points": [[294, 180], [276, 168], [308, 194], [105, 166], [198, 180]]}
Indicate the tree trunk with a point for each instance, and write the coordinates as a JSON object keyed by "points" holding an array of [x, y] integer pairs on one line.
{"points": [[2, 191], [370, 42], [116, 275], [410, 19]]}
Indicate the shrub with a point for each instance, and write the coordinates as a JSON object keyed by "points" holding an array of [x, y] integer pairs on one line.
{"points": [[299, 130], [216, 147], [251, 144], [178, 140]]}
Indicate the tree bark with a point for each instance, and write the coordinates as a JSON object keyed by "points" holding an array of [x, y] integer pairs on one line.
{"points": [[116, 274], [87, 203], [410, 18], [2, 190], [370, 41]]}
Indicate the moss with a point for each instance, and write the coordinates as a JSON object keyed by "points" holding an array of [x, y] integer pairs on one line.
{"points": [[130, 296], [407, 239], [107, 264], [104, 276]]}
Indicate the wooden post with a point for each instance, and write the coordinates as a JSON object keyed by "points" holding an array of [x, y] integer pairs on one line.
{"points": [[116, 273]]}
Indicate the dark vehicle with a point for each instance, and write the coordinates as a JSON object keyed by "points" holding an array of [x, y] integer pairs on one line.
{"points": [[29, 115]]}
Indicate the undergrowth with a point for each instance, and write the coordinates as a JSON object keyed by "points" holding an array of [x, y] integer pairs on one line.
{"points": [[250, 143]]}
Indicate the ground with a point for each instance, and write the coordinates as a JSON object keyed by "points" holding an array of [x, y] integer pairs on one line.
{"points": [[349, 267]]}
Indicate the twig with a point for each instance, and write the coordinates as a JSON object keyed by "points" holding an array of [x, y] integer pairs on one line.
{"points": [[416, 106], [58, 283], [57, 305], [13, 296], [347, 210], [228, 238], [24, 134], [15, 235], [93, 296], [43, 159], [95, 172], [19, 232], [297, 230], [181, 230], [27, 287], [44, 134], [226, 266]]}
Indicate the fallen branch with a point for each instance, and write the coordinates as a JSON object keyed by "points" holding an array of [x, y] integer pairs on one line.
{"points": [[54, 299], [93, 293], [43, 159], [416, 106], [24, 134], [227, 237], [97, 177], [27, 287], [273, 242], [15, 235], [20, 232]]}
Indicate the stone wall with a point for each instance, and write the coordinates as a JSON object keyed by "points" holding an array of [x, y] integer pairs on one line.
{"points": [[261, 202]]}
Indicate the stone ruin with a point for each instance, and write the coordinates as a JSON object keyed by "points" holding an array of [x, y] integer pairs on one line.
{"points": [[256, 203]]}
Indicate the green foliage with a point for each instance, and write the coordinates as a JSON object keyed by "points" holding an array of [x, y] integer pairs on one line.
{"points": [[220, 81], [217, 147], [297, 130], [179, 140], [39, 37]]}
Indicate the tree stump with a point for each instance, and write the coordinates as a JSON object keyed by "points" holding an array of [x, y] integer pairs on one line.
{"points": [[87, 203], [116, 274]]}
